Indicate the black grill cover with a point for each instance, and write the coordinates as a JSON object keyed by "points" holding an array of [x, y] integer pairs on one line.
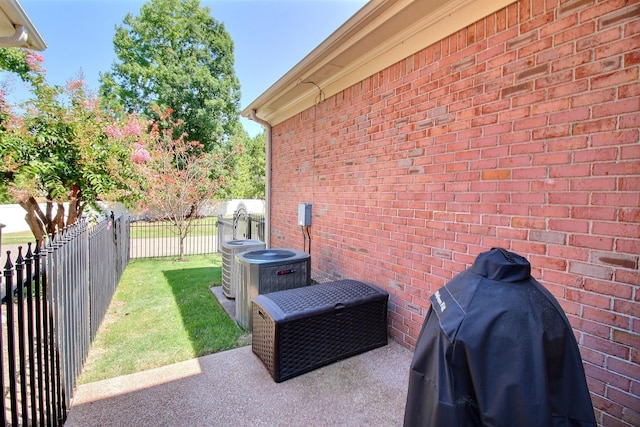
{"points": [[496, 349]]}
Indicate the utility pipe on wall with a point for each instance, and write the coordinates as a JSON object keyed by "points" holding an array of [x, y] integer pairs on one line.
{"points": [[18, 39], [267, 208]]}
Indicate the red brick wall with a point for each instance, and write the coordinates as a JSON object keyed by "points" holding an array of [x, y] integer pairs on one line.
{"points": [[519, 131]]}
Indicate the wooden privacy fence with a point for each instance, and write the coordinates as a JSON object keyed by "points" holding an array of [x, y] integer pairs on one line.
{"points": [[54, 300]]}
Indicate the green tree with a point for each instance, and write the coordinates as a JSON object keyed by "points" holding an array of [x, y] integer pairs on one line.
{"points": [[57, 152], [248, 180], [174, 55], [25, 64], [22, 62]]}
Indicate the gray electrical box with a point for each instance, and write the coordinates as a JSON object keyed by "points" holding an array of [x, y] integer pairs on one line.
{"points": [[304, 214]]}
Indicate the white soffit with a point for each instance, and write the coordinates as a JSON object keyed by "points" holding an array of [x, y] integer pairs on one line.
{"points": [[379, 35], [12, 16]]}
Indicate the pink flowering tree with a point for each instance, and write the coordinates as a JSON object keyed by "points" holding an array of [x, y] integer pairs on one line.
{"points": [[25, 63], [178, 176], [58, 152], [66, 151]]}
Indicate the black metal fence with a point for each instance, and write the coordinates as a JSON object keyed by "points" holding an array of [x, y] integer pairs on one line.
{"points": [[240, 226], [108, 257], [54, 300], [55, 297], [159, 238]]}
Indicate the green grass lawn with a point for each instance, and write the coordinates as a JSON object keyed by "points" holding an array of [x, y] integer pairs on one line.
{"points": [[162, 312], [17, 238]]}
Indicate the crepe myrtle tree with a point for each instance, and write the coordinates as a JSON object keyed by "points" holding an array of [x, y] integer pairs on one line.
{"points": [[178, 176], [24, 64], [56, 151]]}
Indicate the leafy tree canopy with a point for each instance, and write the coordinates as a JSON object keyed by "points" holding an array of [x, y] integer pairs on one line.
{"points": [[248, 180], [56, 150], [175, 56], [25, 63]]}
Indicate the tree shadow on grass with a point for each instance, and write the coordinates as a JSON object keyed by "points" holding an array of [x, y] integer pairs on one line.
{"points": [[210, 328]]}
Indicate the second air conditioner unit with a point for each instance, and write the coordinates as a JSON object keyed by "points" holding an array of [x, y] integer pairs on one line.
{"points": [[230, 268]]}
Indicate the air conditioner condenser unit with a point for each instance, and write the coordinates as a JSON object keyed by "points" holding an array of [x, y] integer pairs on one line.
{"points": [[230, 268], [265, 271]]}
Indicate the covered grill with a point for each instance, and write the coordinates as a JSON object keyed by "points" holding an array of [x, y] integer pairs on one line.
{"points": [[497, 349]]}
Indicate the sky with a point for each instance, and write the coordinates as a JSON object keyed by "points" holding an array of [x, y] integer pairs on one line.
{"points": [[270, 36]]}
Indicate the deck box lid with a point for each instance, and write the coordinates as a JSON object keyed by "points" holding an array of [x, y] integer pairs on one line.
{"points": [[292, 304]]}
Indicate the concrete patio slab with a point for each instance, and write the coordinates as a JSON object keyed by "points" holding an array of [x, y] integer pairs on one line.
{"points": [[233, 388]]}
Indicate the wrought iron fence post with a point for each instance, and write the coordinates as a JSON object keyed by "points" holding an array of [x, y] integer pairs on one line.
{"points": [[47, 333], [20, 265], [31, 334], [39, 325], [11, 351]]}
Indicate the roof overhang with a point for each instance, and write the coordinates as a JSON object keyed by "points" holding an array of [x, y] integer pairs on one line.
{"points": [[379, 35], [16, 29]]}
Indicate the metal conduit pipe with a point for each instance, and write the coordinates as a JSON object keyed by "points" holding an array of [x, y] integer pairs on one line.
{"points": [[267, 208]]}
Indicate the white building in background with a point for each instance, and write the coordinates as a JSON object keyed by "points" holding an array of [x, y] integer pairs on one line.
{"points": [[228, 207], [12, 216]]}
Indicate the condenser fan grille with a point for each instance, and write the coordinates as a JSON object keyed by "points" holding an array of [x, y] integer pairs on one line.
{"points": [[269, 255]]}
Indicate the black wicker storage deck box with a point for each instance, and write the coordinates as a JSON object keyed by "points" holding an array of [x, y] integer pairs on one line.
{"points": [[298, 330]]}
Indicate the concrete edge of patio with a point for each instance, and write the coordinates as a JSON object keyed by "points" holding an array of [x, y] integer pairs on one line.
{"points": [[234, 388]]}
